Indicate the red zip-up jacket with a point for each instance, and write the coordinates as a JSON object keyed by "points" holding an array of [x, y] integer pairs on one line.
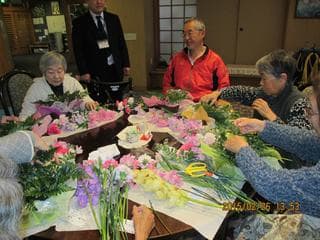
{"points": [[208, 73]]}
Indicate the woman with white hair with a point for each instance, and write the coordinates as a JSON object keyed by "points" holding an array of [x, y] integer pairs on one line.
{"points": [[14, 149], [53, 66]]}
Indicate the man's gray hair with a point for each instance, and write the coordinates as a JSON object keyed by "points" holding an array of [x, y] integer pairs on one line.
{"points": [[11, 200], [198, 22], [277, 62], [50, 59]]}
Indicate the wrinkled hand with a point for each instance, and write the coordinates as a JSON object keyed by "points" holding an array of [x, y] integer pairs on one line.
{"points": [[85, 77], [249, 125], [210, 98], [126, 71], [263, 108], [6, 119], [235, 143], [91, 105], [143, 220]]}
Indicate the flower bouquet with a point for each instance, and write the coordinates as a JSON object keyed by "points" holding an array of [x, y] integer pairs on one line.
{"points": [[49, 173], [47, 186], [104, 187]]}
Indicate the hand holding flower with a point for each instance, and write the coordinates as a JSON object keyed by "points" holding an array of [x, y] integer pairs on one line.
{"points": [[143, 220], [249, 125], [235, 143], [91, 105]]}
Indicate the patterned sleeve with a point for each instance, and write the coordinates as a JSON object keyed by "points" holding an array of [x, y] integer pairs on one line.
{"points": [[283, 185], [244, 94], [298, 116]]}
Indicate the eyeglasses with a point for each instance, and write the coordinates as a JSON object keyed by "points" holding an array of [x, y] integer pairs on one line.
{"points": [[189, 33]]}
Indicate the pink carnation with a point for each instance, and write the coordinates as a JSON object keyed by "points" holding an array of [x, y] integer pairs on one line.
{"points": [[130, 161], [61, 147], [53, 129], [110, 162], [152, 101]]}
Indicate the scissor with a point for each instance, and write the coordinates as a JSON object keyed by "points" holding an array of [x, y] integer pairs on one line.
{"points": [[199, 169]]}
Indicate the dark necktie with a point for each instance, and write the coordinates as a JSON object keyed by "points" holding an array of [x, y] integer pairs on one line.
{"points": [[101, 30]]}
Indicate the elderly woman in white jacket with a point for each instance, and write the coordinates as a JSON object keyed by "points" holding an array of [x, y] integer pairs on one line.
{"points": [[54, 81]]}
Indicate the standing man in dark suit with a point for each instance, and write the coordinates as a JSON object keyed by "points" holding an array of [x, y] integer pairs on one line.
{"points": [[99, 47]]}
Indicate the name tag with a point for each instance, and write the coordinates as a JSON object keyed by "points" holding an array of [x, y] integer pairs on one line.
{"points": [[103, 44]]}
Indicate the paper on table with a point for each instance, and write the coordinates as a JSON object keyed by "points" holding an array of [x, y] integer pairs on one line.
{"points": [[81, 219], [105, 152], [206, 220]]}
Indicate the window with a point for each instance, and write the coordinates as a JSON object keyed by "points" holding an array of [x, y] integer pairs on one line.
{"points": [[171, 16]]}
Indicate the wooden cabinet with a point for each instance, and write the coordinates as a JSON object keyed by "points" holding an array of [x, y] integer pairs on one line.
{"points": [[19, 28], [242, 31], [6, 63]]}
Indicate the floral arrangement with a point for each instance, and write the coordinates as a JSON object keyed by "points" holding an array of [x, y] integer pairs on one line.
{"points": [[172, 98], [175, 96], [105, 184], [49, 173], [61, 114]]}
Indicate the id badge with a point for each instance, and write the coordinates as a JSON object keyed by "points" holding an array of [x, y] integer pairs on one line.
{"points": [[103, 44]]}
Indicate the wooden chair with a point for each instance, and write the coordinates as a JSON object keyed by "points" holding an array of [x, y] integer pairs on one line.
{"points": [[14, 87]]}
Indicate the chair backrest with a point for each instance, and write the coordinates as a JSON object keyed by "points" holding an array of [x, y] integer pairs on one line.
{"points": [[115, 90], [15, 86]]}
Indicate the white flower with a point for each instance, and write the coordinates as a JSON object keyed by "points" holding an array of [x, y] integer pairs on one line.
{"points": [[130, 100], [120, 106], [209, 138], [144, 159]]}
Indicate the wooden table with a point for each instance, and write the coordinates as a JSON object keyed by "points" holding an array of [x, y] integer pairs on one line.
{"points": [[90, 141]]}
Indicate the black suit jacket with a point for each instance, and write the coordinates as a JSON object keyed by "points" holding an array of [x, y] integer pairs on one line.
{"points": [[91, 59]]}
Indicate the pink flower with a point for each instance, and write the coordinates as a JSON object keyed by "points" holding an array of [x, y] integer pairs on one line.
{"points": [[42, 129], [186, 146], [61, 147], [152, 101], [109, 163], [130, 161], [127, 110], [171, 177], [88, 162], [53, 129]]}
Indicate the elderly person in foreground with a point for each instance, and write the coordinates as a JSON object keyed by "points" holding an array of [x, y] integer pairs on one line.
{"points": [[277, 100], [299, 185], [53, 66], [15, 148]]}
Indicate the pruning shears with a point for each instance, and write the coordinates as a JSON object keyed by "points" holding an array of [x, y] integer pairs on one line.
{"points": [[199, 169]]}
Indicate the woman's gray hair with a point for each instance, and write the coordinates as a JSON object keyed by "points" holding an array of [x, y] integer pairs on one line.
{"points": [[11, 200], [198, 22], [277, 62], [50, 59]]}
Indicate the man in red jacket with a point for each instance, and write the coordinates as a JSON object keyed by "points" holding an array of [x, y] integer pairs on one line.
{"points": [[196, 69]]}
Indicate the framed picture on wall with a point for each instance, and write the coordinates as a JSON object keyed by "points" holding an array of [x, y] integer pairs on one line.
{"points": [[308, 8]]}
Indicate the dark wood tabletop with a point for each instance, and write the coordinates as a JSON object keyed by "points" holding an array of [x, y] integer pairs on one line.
{"points": [[92, 139]]}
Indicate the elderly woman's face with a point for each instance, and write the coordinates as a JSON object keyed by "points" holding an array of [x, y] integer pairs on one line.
{"points": [[271, 85], [55, 75]]}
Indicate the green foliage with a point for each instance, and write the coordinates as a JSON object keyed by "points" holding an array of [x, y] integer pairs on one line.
{"points": [[12, 126], [66, 97], [175, 96], [46, 177]]}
